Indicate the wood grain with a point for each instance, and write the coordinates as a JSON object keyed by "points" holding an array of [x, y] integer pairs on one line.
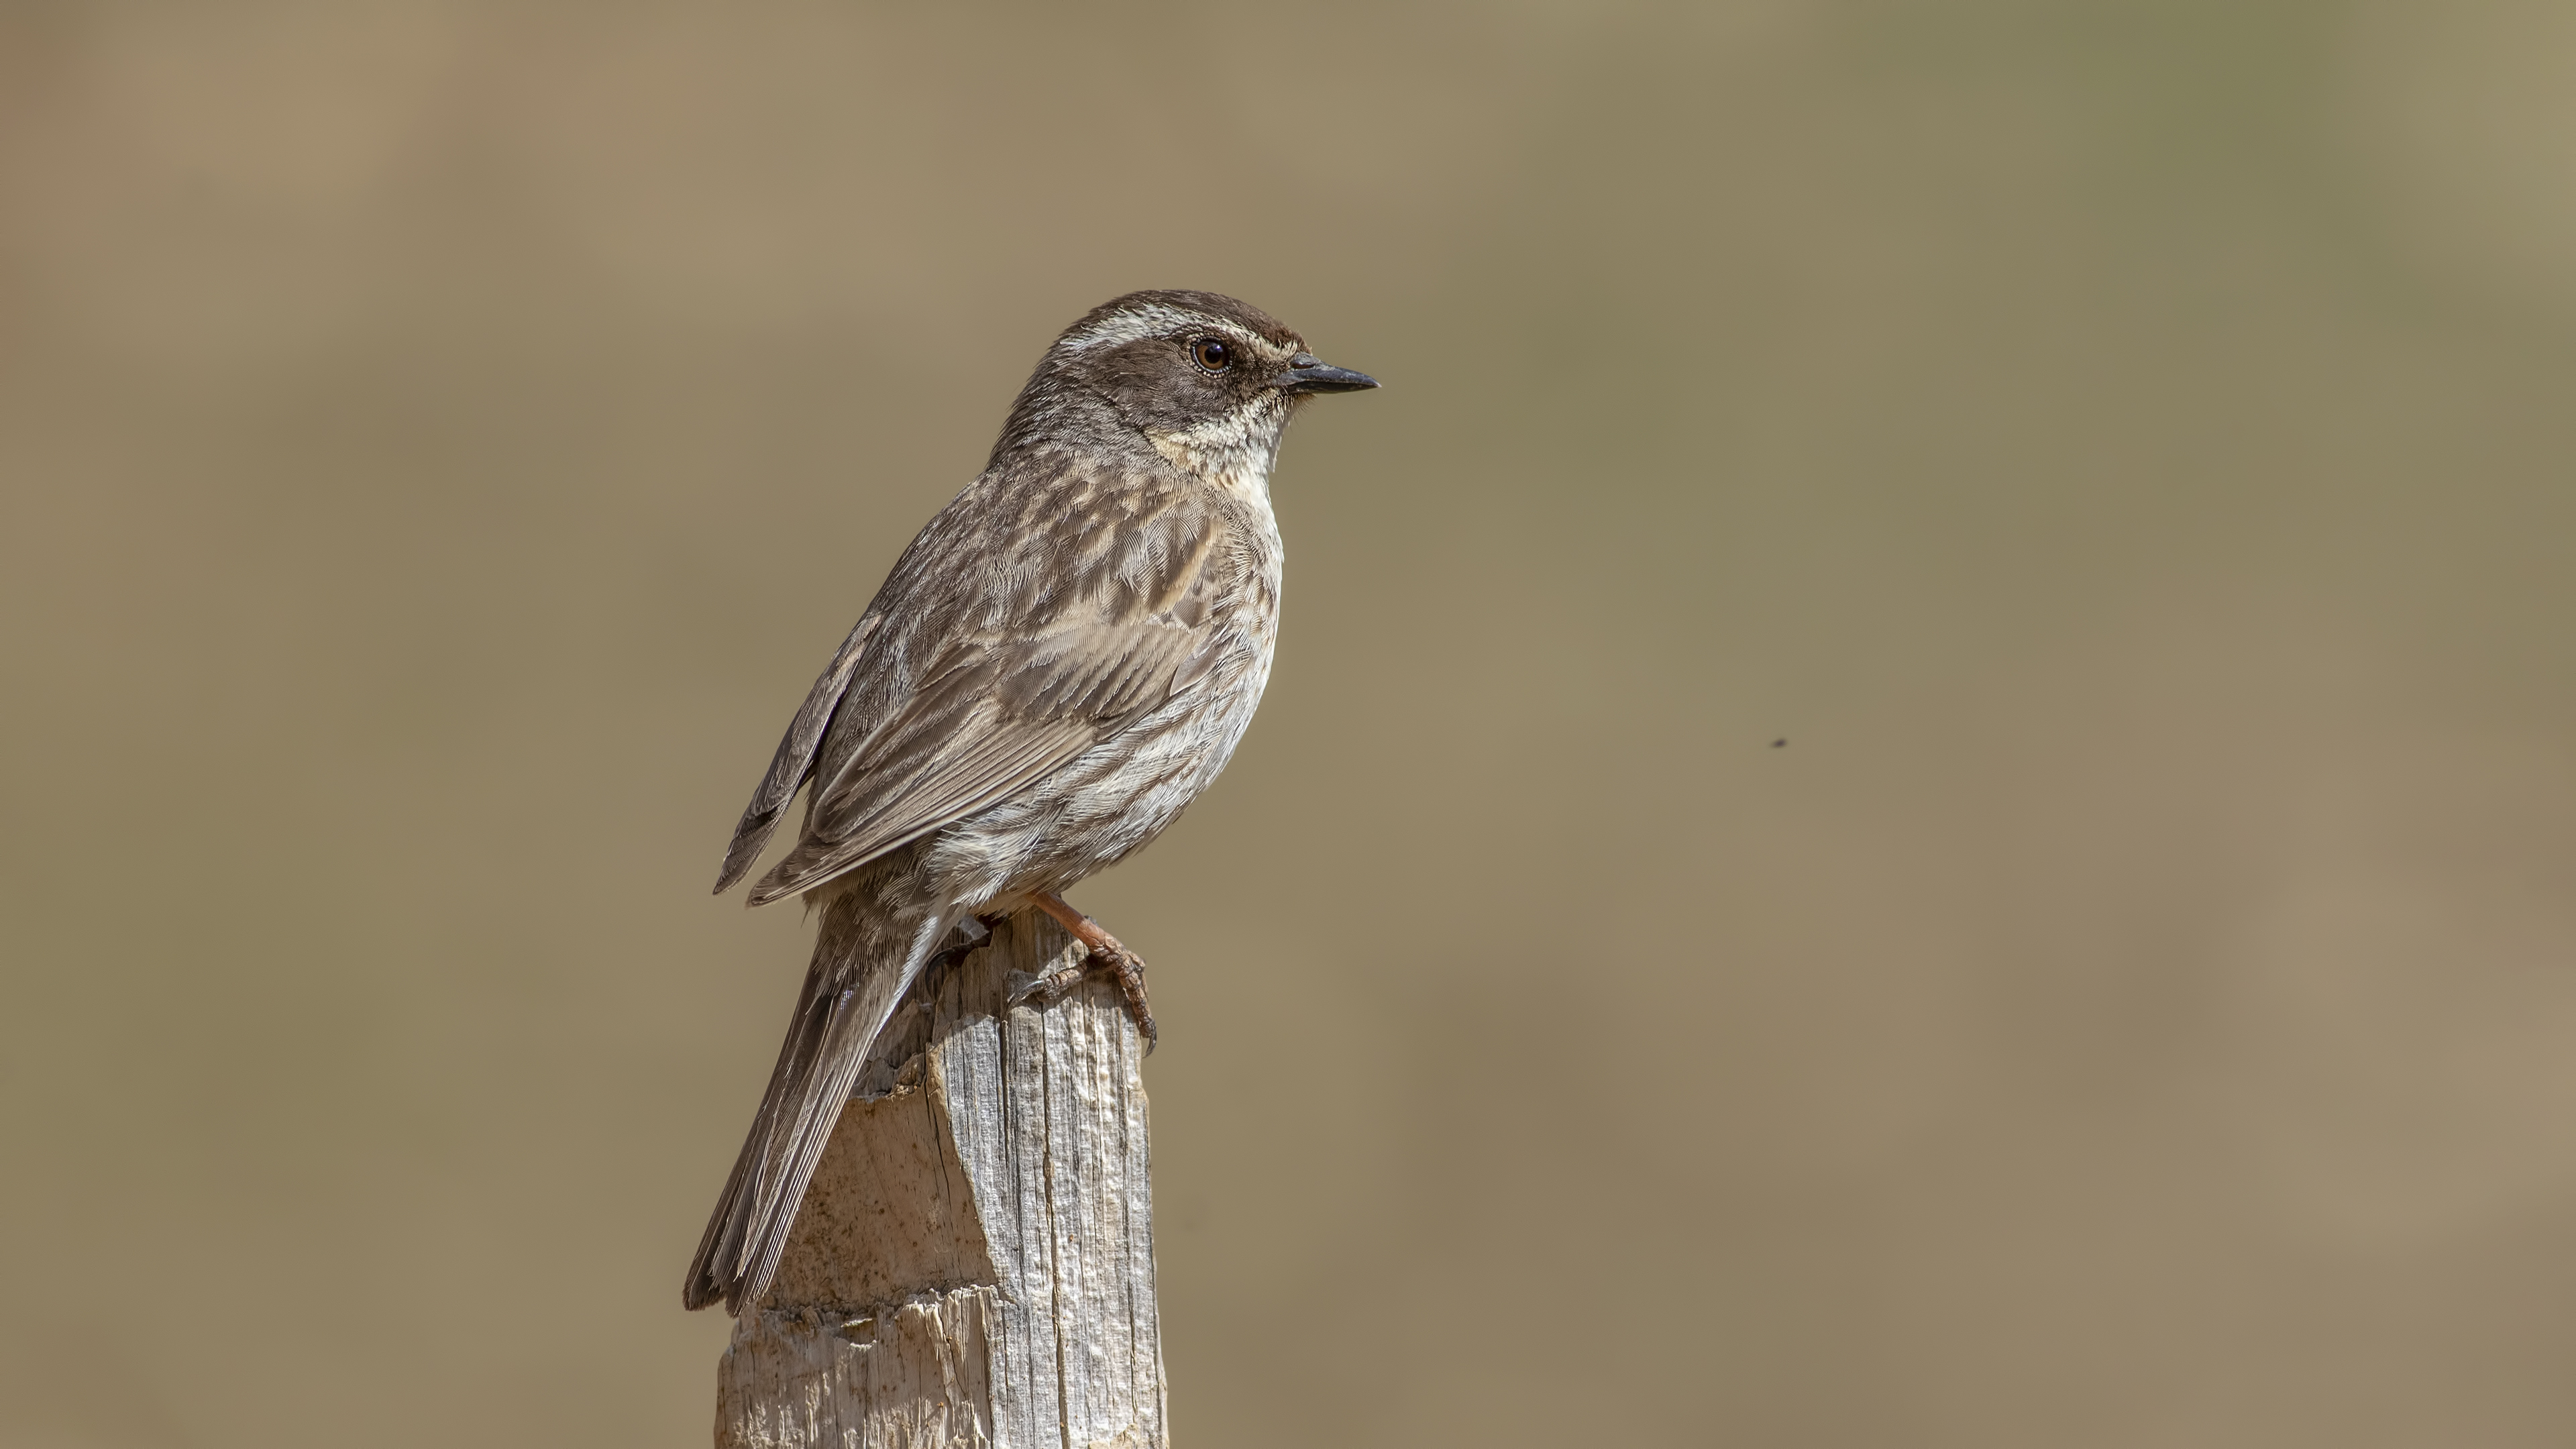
{"points": [[974, 1263]]}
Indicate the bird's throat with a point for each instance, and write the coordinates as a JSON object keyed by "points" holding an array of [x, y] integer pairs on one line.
{"points": [[1232, 453]]}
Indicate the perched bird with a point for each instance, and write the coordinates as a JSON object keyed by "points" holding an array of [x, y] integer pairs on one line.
{"points": [[1059, 663]]}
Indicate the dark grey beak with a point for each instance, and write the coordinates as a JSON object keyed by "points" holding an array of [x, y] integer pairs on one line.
{"points": [[1307, 373]]}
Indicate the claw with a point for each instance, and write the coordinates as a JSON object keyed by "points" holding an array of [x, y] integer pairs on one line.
{"points": [[1104, 953], [1129, 972], [1048, 989]]}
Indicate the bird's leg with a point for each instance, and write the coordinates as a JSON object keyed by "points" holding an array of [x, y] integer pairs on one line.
{"points": [[1105, 954]]}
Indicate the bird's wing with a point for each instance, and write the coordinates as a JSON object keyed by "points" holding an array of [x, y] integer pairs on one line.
{"points": [[994, 671], [795, 758]]}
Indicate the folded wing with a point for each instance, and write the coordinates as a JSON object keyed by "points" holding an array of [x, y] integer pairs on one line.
{"points": [[983, 685], [795, 757]]}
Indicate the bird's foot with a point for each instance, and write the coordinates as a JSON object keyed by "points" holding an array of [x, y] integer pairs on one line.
{"points": [[1102, 952], [1128, 970], [970, 935]]}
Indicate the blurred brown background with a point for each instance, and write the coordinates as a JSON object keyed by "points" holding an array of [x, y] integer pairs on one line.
{"points": [[2122, 447]]}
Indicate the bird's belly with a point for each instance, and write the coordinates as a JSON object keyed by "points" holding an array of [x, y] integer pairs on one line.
{"points": [[1109, 801]]}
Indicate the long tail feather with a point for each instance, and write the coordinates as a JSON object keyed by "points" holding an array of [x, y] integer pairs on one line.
{"points": [[874, 939]]}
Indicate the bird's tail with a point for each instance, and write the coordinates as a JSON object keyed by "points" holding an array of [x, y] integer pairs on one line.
{"points": [[875, 936]]}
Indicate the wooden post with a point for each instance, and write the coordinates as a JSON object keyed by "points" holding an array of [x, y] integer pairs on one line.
{"points": [[974, 1263]]}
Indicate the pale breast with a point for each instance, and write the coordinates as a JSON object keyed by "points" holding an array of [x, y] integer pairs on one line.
{"points": [[1117, 796]]}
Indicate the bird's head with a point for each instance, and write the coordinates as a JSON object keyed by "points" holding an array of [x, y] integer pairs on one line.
{"points": [[1209, 381]]}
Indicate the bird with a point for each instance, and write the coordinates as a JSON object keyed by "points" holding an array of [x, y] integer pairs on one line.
{"points": [[1062, 659]]}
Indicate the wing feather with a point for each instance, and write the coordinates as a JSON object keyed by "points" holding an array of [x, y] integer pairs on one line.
{"points": [[795, 757], [987, 682]]}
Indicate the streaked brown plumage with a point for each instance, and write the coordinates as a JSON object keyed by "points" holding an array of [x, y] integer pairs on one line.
{"points": [[1064, 657]]}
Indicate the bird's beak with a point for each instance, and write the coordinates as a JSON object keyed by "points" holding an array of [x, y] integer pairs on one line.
{"points": [[1306, 373]]}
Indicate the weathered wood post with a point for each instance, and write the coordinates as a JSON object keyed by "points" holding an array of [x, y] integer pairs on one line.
{"points": [[974, 1263]]}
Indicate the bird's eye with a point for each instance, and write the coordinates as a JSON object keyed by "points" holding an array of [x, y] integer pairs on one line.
{"points": [[1211, 354]]}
